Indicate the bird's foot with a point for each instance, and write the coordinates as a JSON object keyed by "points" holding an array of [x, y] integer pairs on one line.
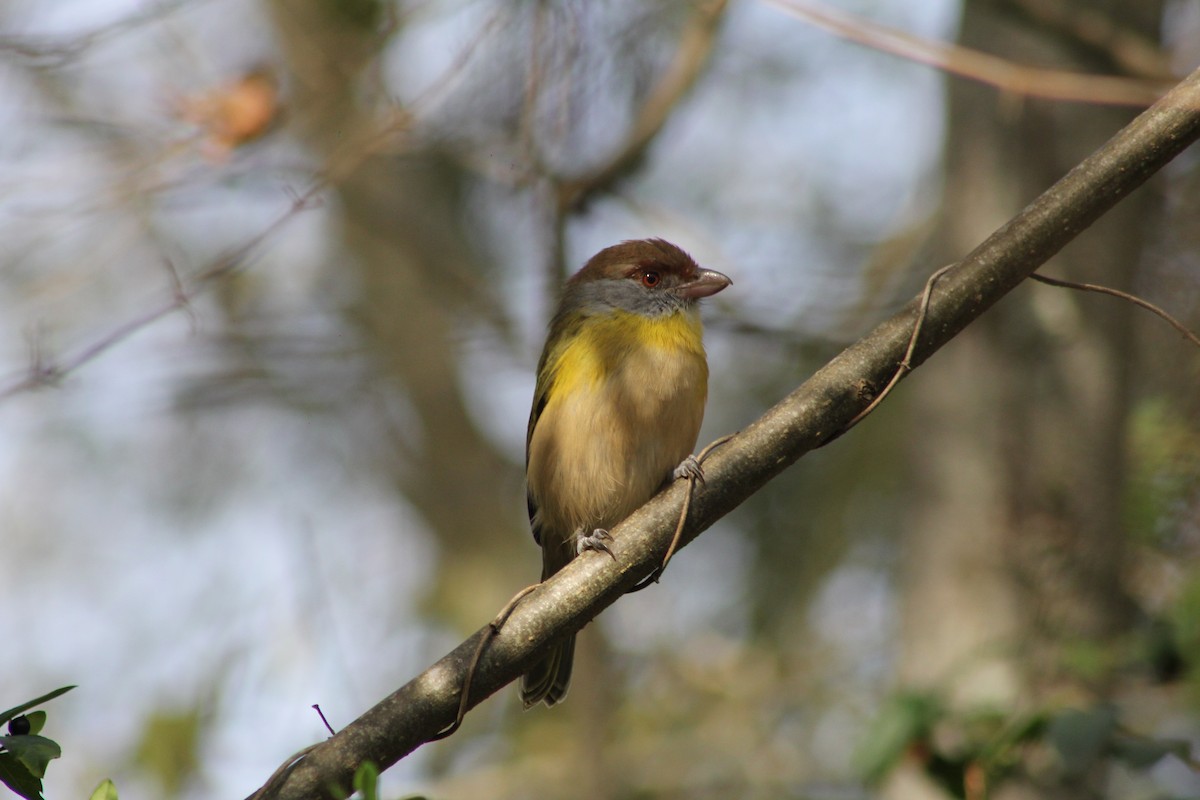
{"points": [[596, 540], [689, 468]]}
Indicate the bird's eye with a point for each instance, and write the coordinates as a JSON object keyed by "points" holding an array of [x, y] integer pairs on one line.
{"points": [[650, 279]]}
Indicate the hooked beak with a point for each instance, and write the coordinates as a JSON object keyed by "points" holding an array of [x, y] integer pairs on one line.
{"points": [[706, 283]]}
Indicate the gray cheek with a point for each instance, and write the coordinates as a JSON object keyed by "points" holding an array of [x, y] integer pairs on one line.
{"points": [[625, 294]]}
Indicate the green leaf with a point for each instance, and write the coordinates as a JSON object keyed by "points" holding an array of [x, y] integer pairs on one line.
{"points": [[35, 752], [1141, 753], [1081, 737], [169, 747], [1005, 749], [905, 718], [15, 710], [37, 720], [107, 790], [366, 781], [17, 777]]}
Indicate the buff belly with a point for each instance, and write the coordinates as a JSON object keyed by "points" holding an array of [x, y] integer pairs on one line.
{"points": [[625, 409]]}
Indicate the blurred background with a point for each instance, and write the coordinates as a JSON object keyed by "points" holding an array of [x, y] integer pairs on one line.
{"points": [[274, 278]]}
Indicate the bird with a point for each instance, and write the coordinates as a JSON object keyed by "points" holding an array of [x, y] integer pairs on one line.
{"points": [[621, 388]]}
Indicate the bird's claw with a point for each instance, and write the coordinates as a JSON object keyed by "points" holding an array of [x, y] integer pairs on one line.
{"points": [[596, 540], [689, 468]]}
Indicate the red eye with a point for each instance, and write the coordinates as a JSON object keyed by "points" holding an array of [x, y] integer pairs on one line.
{"points": [[650, 279]]}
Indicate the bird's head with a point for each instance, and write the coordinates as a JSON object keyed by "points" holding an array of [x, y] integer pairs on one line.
{"points": [[651, 277]]}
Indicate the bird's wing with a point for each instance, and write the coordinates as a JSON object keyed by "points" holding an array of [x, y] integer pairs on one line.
{"points": [[541, 395], [563, 328], [539, 403]]}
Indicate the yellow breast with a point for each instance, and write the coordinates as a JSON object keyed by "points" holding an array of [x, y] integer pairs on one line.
{"points": [[624, 409]]}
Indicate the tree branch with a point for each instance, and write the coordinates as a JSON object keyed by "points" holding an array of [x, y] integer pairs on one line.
{"points": [[811, 416], [965, 62], [49, 371]]}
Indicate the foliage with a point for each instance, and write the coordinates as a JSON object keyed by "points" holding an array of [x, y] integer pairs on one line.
{"points": [[107, 790], [1164, 479], [366, 783], [24, 755], [969, 753], [169, 747]]}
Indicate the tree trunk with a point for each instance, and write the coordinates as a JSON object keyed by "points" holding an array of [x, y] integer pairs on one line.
{"points": [[1015, 545]]}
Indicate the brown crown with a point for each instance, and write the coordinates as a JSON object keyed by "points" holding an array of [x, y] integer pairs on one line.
{"points": [[622, 259]]}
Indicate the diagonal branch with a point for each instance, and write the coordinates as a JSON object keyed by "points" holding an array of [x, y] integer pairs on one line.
{"points": [[45, 371], [978, 66], [811, 416]]}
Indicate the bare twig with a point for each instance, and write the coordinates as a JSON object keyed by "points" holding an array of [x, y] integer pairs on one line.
{"points": [[281, 772], [1137, 301], [321, 714], [978, 66], [52, 53], [692, 479], [906, 364], [489, 633], [45, 372]]}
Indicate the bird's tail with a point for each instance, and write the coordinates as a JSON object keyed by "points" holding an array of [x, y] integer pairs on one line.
{"points": [[550, 677]]}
